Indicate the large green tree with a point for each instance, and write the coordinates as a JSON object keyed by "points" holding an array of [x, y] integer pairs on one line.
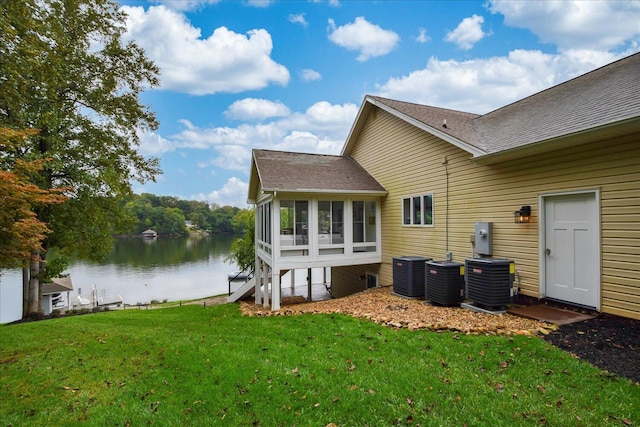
{"points": [[66, 71]]}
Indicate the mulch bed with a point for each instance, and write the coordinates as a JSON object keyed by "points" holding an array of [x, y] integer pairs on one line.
{"points": [[380, 306], [609, 342]]}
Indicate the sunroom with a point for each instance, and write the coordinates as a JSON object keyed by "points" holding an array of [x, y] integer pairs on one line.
{"points": [[312, 211]]}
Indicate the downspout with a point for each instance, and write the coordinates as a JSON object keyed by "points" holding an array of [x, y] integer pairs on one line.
{"points": [[445, 162]]}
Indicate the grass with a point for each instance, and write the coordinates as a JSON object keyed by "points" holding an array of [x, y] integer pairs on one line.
{"points": [[195, 365]]}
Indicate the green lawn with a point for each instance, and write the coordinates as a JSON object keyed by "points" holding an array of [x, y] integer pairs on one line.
{"points": [[195, 365]]}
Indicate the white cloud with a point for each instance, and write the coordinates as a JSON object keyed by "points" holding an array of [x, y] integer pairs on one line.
{"points": [[334, 3], [186, 5], [322, 129], [581, 25], [467, 33], [233, 193], [224, 62], [482, 85], [259, 3], [252, 109], [331, 121], [308, 75], [152, 144], [298, 18], [422, 36], [367, 38], [307, 142]]}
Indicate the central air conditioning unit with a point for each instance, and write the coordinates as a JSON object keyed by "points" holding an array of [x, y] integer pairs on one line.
{"points": [[444, 282], [408, 276], [489, 282]]}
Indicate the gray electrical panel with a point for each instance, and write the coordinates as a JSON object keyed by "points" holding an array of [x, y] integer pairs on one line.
{"points": [[484, 238]]}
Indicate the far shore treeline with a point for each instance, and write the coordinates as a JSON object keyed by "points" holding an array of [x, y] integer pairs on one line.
{"points": [[171, 216]]}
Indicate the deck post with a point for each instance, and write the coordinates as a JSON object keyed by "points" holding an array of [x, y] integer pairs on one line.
{"points": [[258, 276], [293, 279], [276, 289], [265, 286]]}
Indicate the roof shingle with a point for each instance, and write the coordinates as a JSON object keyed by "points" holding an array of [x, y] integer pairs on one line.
{"points": [[300, 172]]}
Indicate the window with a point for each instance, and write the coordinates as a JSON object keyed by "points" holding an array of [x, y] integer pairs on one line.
{"points": [[417, 210], [263, 226], [263, 213], [364, 226], [294, 222], [330, 222]]}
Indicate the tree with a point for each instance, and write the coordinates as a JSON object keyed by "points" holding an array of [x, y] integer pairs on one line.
{"points": [[66, 71], [243, 248], [21, 233], [222, 219]]}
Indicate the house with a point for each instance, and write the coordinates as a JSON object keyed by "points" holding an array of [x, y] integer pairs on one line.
{"points": [[569, 154], [312, 211], [55, 294], [149, 234]]}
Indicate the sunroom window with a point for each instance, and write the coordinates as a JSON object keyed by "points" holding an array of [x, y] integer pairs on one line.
{"points": [[263, 230], [364, 226], [330, 222], [294, 222]]}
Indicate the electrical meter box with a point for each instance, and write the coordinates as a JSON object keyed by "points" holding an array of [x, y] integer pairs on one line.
{"points": [[484, 238]]}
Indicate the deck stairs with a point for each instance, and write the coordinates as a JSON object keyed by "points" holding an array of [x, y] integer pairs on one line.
{"points": [[247, 289]]}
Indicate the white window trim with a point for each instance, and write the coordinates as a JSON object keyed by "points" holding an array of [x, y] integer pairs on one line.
{"points": [[422, 197]]}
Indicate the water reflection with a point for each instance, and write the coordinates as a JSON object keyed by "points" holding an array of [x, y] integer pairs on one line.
{"points": [[142, 270], [150, 253], [146, 270]]}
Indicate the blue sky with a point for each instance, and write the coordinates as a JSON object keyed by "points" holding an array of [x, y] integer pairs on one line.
{"points": [[291, 75]]}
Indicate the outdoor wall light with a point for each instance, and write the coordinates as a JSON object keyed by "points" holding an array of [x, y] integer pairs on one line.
{"points": [[523, 215]]}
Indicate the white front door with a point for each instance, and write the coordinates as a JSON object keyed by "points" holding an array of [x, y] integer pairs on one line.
{"points": [[572, 249]]}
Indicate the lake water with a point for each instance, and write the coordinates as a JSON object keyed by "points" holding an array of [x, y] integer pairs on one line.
{"points": [[143, 270]]}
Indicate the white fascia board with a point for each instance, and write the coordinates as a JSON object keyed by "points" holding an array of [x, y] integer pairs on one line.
{"points": [[327, 192]]}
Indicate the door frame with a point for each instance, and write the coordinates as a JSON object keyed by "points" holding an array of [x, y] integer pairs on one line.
{"points": [[373, 275], [542, 226]]}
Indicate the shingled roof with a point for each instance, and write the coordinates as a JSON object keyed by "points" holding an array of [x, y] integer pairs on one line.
{"points": [[601, 97], [310, 173], [57, 284], [607, 96], [457, 124]]}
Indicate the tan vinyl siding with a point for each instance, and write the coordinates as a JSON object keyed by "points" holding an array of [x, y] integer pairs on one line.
{"points": [[408, 161], [346, 280], [261, 196]]}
